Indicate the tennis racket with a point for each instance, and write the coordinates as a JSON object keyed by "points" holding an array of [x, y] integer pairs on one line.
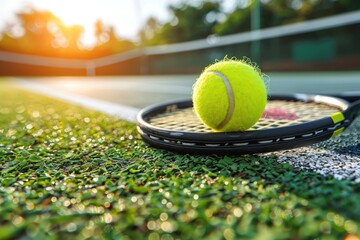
{"points": [[289, 121]]}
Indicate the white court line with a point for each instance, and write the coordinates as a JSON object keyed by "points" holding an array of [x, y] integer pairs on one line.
{"points": [[122, 111], [136, 86]]}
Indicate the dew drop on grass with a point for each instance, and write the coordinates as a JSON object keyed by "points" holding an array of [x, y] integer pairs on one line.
{"points": [[154, 236], [167, 227], [66, 203], [151, 225], [108, 218], [169, 205], [141, 202], [350, 226], [228, 234], [164, 217], [248, 207], [71, 227], [17, 220], [20, 109], [35, 114], [237, 212]]}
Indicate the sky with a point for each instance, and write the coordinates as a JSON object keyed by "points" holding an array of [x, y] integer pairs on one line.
{"points": [[127, 16]]}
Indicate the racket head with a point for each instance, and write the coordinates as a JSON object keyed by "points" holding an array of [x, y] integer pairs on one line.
{"points": [[289, 121]]}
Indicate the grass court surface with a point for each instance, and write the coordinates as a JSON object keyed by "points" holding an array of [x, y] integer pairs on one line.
{"points": [[70, 173]]}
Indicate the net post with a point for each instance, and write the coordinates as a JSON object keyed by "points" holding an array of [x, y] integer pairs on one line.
{"points": [[90, 68], [255, 26]]}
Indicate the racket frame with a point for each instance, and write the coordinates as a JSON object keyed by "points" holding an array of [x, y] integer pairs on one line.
{"points": [[252, 141]]}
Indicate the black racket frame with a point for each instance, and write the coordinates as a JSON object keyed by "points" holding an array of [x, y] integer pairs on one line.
{"points": [[247, 142]]}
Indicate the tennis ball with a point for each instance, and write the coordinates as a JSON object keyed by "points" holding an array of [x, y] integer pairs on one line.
{"points": [[229, 95]]}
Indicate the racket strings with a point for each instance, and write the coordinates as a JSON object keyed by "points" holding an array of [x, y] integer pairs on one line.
{"points": [[278, 113]]}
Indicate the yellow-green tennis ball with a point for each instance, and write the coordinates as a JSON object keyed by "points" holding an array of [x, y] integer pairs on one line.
{"points": [[229, 95]]}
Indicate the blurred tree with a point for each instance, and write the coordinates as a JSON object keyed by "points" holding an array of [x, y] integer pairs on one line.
{"points": [[236, 21], [149, 29], [189, 22], [192, 22], [107, 41], [281, 12], [42, 33], [311, 9]]}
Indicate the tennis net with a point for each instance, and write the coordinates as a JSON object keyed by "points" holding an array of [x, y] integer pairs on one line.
{"points": [[329, 43]]}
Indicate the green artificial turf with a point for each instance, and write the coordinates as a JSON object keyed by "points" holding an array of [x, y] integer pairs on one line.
{"points": [[70, 173]]}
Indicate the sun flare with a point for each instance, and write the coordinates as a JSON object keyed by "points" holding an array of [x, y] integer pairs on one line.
{"points": [[80, 12]]}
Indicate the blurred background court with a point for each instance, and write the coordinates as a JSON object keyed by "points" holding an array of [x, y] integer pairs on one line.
{"points": [[136, 54]]}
